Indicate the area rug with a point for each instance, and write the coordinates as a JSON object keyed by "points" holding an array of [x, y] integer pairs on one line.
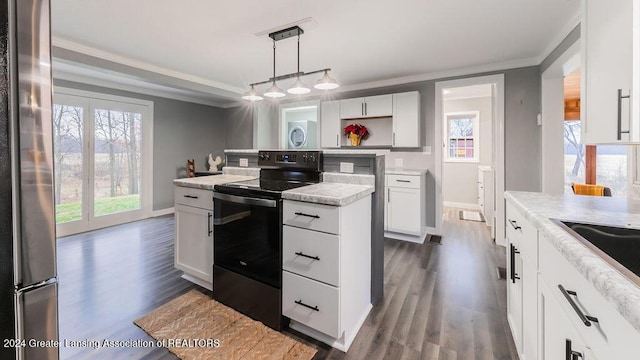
{"points": [[471, 215], [194, 326]]}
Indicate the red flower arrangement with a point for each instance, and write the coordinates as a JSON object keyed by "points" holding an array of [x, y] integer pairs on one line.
{"points": [[357, 129]]}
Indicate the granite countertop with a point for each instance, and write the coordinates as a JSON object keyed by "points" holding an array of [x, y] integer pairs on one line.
{"points": [[208, 182], [346, 151], [329, 193], [612, 285], [404, 171]]}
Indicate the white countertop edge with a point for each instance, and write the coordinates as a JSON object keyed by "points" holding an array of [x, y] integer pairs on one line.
{"points": [[407, 171], [612, 285]]}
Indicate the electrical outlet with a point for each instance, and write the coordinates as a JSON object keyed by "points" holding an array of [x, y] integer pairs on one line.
{"points": [[399, 162], [346, 167], [244, 162]]}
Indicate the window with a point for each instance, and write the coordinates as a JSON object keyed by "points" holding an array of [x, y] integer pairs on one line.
{"points": [[462, 136], [602, 164]]}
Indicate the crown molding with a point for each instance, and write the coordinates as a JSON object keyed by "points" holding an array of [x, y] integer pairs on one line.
{"points": [[101, 54], [557, 40]]}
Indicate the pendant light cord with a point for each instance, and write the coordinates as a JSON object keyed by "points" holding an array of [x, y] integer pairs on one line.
{"points": [[298, 56], [274, 61]]}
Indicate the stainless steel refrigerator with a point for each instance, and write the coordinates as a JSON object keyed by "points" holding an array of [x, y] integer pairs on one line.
{"points": [[28, 285]]}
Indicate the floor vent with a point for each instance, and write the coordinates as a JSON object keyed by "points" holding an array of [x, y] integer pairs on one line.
{"points": [[435, 239]]}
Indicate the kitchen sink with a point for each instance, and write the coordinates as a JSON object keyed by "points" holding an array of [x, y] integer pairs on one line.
{"points": [[618, 246]]}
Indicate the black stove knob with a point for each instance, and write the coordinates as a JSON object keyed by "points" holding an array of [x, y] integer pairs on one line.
{"points": [[304, 158], [312, 158]]}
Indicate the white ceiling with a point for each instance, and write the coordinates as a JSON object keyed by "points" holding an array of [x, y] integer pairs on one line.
{"points": [[366, 42]]}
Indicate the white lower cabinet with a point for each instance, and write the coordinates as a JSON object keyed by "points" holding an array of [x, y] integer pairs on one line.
{"points": [[404, 209], [326, 261], [194, 235], [559, 339]]}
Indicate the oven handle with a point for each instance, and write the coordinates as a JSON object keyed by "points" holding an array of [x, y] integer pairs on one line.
{"points": [[245, 200]]}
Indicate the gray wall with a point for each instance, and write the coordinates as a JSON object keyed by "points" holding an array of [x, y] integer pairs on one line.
{"points": [[459, 179], [181, 131], [238, 123], [566, 43], [522, 105]]}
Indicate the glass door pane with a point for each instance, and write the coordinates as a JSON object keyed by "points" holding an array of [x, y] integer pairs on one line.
{"points": [[611, 168], [68, 128], [117, 161]]}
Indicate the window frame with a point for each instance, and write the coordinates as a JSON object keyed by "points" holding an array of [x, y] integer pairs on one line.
{"points": [[476, 136]]}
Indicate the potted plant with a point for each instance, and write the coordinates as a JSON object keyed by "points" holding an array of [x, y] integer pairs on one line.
{"points": [[356, 133]]}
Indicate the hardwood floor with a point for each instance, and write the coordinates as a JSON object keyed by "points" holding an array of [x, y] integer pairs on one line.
{"points": [[441, 301]]}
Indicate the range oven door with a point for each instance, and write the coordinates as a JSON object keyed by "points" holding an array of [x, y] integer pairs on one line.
{"points": [[248, 237]]}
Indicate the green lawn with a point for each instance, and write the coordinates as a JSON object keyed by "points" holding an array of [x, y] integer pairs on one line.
{"points": [[72, 211]]}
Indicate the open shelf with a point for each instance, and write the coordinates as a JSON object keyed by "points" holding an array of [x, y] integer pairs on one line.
{"points": [[380, 132]]}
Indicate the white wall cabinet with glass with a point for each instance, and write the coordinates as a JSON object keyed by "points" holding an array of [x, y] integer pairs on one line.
{"points": [[610, 36], [404, 215], [393, 120], [194, 235]]}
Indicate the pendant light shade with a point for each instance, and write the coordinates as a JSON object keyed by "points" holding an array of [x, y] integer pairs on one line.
{"points": [[274, 92], [252, 95], [298, 88], [326, 83]]}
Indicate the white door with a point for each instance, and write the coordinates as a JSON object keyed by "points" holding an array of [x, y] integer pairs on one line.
{"points": [[352, 108], [377, 106], [194, 248], [102, 162], [403, 213], [558, 334], [406, 119], [330, 124]]}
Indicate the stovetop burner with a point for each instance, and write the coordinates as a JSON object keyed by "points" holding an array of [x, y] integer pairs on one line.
{"points": [[280, 171]]}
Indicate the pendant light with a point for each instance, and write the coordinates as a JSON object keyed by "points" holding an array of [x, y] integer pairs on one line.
{"points": [[326, 82], [274, 91], [298, 87], [252, 95]]}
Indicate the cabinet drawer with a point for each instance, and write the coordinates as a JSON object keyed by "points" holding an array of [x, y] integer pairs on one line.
{"points": [[310, 216], [611, 337], [312, 254], [322, 310], [523, 233], [405, 181], [194, 197]]}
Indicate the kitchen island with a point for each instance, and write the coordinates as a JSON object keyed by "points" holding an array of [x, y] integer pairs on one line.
{"points": [[561, 295]]}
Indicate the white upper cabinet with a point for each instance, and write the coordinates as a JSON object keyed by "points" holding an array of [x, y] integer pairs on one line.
{"points": [[364, 107], [378, 106], [406, 119], [610, 70], [330, 128]]}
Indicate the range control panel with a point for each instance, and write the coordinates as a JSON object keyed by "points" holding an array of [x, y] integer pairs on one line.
{"points": [[310, 160]]}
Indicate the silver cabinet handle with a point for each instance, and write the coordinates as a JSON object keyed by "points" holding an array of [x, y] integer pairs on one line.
{"points": [[365, 109], [362, 109], [394, 139], [388, 195], [338, 140], [620, 97], [209, 230]]}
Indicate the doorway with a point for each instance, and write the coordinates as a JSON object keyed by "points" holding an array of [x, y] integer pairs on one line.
{"points": [[102, 160], [470, 161], [299, 126]]}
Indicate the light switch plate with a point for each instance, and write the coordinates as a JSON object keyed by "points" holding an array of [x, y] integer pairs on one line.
{"points": [[399, 162], [244, 162], [346, 167]]}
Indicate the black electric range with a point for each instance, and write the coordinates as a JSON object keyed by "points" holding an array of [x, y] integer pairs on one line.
{"points": [[247, 270]]}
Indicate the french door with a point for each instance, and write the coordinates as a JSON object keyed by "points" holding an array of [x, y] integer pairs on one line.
{"points": [[102, 160]]}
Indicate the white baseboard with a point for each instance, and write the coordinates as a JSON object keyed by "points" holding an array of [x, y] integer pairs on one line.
{"points": [[163, 212], [461, 205]]}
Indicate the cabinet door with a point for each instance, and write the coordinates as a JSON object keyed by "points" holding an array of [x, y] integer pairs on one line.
{"points": [[558, 336], [403, 210], [529, 279], [352, 108], [194, 241], [406, 119], [386, 208], [514, 292], [381, 105], [607, 53], [330, 124]]}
